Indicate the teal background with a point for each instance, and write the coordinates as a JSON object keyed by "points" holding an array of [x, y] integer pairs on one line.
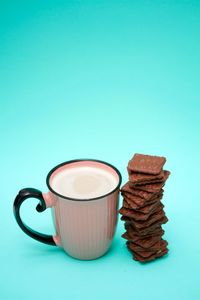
{"points": [[99, 79]]}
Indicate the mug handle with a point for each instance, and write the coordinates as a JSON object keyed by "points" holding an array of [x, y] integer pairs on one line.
{"points": [[20, 198]]}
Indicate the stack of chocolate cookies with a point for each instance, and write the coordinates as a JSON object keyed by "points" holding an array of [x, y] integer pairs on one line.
{"points": [[142, 208]]}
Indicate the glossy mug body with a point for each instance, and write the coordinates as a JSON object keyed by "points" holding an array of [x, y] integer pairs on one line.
{"points": [[84, 227]]}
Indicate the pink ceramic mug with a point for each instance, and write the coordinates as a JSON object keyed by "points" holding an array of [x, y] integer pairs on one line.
{"points": [[83, 195]]}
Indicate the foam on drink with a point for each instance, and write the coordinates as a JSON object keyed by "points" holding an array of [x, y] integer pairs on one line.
{"points": [[84, 182]]}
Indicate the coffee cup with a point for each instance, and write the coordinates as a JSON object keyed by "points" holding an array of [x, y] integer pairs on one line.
{"points": [[83, 195]]}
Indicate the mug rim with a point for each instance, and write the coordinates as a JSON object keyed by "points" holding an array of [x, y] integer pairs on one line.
{"points": [[80, 160]]}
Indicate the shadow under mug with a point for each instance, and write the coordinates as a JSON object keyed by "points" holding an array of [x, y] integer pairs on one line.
{"points": [[84, 227]]}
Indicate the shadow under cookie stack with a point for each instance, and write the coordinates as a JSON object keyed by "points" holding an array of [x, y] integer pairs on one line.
{"points": [[142, 208]]}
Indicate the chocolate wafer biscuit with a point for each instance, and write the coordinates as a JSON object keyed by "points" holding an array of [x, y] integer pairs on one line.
{"points": [[137, 215], [141, 203], [156, 217], [151, 187], [135, 199], [145, 242], [145, 254], [130, 202], [160, 244], [147, 164], [141, 259], [142, 194], [134, 236], [148, 243], [146, 230], [146, 195], [140, 178], [147, 209], [133, 214]]}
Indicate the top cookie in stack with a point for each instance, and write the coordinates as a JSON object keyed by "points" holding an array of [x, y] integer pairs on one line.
{"points": [[142, 209]]}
